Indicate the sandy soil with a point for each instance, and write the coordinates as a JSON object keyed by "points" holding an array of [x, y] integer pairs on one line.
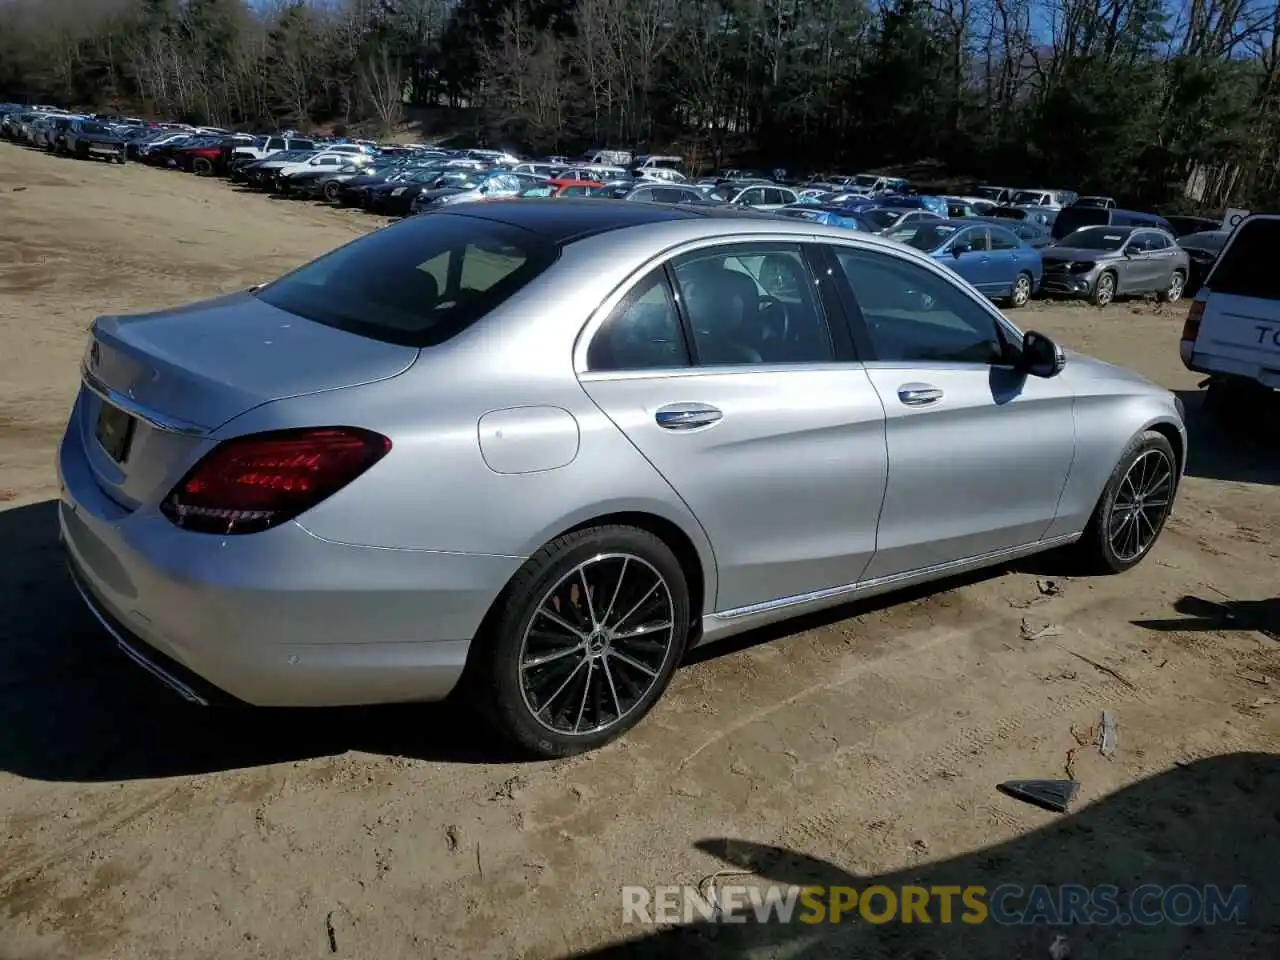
{"points": [[864, 745]]}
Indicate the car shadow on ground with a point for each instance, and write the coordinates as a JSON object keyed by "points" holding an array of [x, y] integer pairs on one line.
{"points": [[72, 707], [1211, 822], [1248, 451], [1199, 614]]}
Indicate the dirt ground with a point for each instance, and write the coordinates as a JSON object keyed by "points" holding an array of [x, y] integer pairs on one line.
{"points": [[866, 744]]}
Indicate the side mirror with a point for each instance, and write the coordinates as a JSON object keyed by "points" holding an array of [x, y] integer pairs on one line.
{"points": [[959, 249], [1041, 357]]}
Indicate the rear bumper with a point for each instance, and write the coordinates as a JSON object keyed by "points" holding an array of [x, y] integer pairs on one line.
{"points": [[280, 618], [1227, 367]]}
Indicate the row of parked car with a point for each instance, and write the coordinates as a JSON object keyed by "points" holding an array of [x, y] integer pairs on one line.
{"points": [[1011, 244]]}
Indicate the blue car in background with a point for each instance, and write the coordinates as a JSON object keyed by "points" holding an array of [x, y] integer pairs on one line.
{"points": [[933, 204], [832, 216], [1028, 231], [989, 256]]}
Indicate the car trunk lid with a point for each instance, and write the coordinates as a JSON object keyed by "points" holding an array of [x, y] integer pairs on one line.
{"points": [[157, 384]]}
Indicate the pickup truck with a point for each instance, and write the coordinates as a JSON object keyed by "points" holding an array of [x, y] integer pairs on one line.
{"points": [[1232, 332], [91, 139], [263, 147]]}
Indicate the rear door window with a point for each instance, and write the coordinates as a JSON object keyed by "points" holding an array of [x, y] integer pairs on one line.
{"points": [[417, 283], [643, 332], [1003, 240], [1247, 267]]}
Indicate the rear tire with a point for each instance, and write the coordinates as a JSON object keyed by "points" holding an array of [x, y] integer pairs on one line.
{"points": [[1104, 290], [561, 665], [1133, 508], [1177, 285], [332, 190], [1021, 293], [202, 166]]}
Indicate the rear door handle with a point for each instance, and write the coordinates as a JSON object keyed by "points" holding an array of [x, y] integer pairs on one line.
{"points": [[686, 416], [918, 394]]}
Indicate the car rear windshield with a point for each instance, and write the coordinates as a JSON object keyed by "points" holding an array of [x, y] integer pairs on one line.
{"points": [[925, 236], [416, 283], [94, 128], [1245, 268]]}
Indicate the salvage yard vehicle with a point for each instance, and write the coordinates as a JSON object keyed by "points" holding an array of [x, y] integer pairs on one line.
{"points": [[1101, 263], [651, 191], [327, 182], [536, 450], [990, 257], [1203, 249], [1232, 331], [92, 139]]}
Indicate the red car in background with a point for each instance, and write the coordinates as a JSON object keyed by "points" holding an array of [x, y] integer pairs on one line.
{"points": [[574, 188], [563, 188], [199, 160]]}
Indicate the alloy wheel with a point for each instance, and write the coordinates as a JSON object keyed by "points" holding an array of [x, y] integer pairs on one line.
{"points": [[1175, 288], [1021, 291], [1106, 289], [1141, 504], [596, 644]]}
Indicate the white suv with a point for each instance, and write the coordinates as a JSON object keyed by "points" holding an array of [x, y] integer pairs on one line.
{"points": [[1233, 330]]}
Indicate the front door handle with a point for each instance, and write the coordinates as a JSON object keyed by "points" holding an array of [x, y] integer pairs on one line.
{"points": [[686, 416], [918, 394]]}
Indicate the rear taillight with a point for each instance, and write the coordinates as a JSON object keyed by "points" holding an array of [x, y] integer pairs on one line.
{"points": [[256, 482], [1191, 326]]}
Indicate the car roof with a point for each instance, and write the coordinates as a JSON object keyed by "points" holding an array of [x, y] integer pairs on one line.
{"points": [[1002, 222], [1115, 227], [569, 219]]}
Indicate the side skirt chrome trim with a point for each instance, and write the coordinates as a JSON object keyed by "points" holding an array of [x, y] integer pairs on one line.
{"points": [[141, 659], [881, 584]]}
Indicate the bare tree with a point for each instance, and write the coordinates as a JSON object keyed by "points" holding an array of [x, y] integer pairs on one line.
{"points": [[382, 80]]}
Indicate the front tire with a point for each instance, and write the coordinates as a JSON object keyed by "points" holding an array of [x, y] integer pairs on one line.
{"points": [[583, 641], [1133, 507], [332, 189], [1104, 291], [202, 166], [1021, 293]]}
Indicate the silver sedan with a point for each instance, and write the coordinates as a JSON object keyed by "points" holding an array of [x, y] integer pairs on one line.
{"points": [[537, 450]]}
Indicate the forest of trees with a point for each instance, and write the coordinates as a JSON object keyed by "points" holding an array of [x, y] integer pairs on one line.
{"points": [[1127, 97]]}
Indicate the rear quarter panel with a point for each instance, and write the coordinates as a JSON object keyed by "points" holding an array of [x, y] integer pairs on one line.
{"points": [[434, 491]]}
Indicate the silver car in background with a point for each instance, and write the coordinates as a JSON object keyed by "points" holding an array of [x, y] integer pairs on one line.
{"points": [[536, 450], [1101, 263]]}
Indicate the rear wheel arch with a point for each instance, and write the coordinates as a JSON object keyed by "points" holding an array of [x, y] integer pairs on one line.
{"points": [[674, 537], [698, 578]]}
